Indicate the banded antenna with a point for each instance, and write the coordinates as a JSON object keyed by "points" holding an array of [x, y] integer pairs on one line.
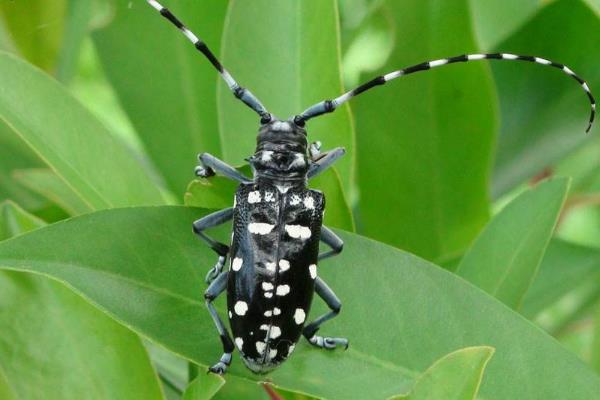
{"points": [[243, 94], [328, 106]]}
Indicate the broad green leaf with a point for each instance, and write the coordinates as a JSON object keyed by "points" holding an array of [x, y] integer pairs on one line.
{"points": [[165, 85], [36, 28], [49, 185], [204, 387], [144, 267], [54, 345], [290, 61], [70, 140], [217, 192], [425, 141], [456, 376], [544, 112], [505, 257], [565, 267], [595, 356]]}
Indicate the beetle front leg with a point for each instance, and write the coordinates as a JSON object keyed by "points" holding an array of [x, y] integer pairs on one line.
{"points": [[211, 165], [311, 329], [211, 221], [217, 287]]}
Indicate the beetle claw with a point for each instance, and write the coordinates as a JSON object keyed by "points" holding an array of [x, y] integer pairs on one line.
{"points": [[215, 271], [219, 368], [204, 172]]}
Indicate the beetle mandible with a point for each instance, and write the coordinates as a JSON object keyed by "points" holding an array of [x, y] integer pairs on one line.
{"points": [[277, 224]]}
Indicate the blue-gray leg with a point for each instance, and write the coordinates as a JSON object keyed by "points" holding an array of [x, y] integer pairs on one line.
{"points": [[217, 287], [212, 165], [210, 221], [311, 329], [332, 240], [325, 161]]}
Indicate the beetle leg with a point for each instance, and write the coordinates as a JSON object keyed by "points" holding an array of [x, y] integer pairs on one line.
{"points": [[217, 287], [325, 161], [210, 221], [332, 240], [211, 165], [311, 329]]}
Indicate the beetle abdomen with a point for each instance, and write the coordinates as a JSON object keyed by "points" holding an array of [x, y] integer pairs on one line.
{"points": [[273, 267]]}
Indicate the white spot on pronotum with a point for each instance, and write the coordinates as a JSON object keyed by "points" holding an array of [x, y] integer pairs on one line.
{"points": [[240, 308], [542, 61], [239, 342], [471, 57], [295, 200], [267, 286], [437, 63], [270, 266], [282, 290], [291, 349], [254, 197], [260, 228], [268, 313], [266, 156], [272, 353], [298, 231], [275, 332], [284, 265], [260, 347], [276, 311], [268, 295], [269, 197], [299, 316], [508, 56], [236, 264], [312, 269], [568, 70], [309, 202]]}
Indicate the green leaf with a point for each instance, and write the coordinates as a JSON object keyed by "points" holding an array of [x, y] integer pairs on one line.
{"points": [[54, 345], [36, 28], [204, 387], [544, 113], [49, 185], [595, 356], [426, 140], [400, 313], [165, 85], [289, 62], [217, 192], [456, 376], [505, 257], [565, 267], [70, 140]]}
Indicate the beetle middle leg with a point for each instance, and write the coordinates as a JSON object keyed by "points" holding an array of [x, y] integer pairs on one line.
{"points": [[211, 165], [211, 221], [311, 329], [217, 287]]}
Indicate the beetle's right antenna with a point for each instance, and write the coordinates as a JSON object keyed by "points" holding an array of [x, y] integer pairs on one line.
{"points": [[328, 106], [243, 94]]}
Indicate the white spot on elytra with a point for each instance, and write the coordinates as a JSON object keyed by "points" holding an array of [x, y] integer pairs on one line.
{"points": [[254, 197], [234, 201], [268, 295], [267, 286], [230, 314], [272, 353], [270, 266], [266, 156], [312, 269], [239, 342], [275, 332], [284, 265], [295, 200], [264, 327], [299, 316], [236, 264], [309, 202], [260, 228], [276, 311], [260, 347], [282, 290], [269, 197], [240, 308], [298, 231], [268, 313]]}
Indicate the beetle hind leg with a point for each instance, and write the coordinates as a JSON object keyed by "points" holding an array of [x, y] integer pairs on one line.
{"points": [[217, 287], [311, 329]]}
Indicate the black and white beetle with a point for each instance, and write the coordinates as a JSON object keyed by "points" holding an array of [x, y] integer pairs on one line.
{"points": [[277, 224]]}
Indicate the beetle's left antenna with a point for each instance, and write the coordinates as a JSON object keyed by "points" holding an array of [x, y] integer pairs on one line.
{"points": [[241, 93]]}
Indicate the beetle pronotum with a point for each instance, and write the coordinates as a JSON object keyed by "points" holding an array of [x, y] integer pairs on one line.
{"points": [[277, 223]]}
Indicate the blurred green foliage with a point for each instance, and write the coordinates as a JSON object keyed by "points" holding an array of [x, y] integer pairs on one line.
{"points": [[104, 105]]}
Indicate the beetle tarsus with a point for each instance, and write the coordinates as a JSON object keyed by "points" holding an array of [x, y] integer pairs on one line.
{"points": [[328, 343], [204, 172], [216, 270]]}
